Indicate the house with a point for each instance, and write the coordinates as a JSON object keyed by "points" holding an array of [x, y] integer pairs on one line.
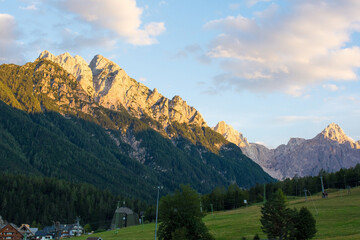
{"points": [[27, 231], [43, 235], [124, 217], [10, 231], [76, 230], [60, 230]]}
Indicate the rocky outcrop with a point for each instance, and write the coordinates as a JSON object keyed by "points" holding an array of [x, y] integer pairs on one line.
{"points": [[330, 150], [112, 88], [231, 134], [61, 87], [76, 66]]}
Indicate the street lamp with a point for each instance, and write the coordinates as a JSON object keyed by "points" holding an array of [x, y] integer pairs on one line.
{"points": [[157, 208]]}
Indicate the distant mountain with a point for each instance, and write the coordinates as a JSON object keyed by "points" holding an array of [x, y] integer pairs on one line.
{"points": [[330, 150], [92, 123]]}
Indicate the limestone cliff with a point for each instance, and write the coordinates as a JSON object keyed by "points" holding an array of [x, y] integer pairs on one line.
{"points": [[330, 150], [112, 88], [76, 66], [231, 134]]}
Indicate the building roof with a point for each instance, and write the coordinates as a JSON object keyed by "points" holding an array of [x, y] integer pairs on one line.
{"points": [[33, 230], [124, 210], [13, 226], [26, 228]]}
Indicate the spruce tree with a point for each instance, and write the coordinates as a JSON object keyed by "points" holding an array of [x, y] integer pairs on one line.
{"points": [[305, 225], [276, 218]]}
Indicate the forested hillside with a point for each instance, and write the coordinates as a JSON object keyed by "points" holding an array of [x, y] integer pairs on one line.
{"points": [[40, 201], [50, 127]]}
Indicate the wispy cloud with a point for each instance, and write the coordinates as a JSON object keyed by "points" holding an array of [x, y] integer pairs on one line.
{"points": [[121, 17], [31, 7], [330, 87], [277, 51], [189, 50], [254, 2]]}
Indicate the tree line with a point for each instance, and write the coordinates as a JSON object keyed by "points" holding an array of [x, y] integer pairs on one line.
{"points": [[222, 198], [39, 201]]}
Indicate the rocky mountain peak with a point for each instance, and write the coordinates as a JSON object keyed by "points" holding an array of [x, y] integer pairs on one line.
{"points": [[47, 55], [335, 133], [231, 134], [112, 88], [76, 66], [99, 63], [302, 157]]}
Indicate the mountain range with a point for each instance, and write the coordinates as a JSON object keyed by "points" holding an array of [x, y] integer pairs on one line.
{"points": [[64, 118], [330, 151]]}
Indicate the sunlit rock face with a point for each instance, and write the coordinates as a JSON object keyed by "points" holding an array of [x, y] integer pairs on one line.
{"points": [[76, 66], [330, 150], [112, 88], [231, 134]]}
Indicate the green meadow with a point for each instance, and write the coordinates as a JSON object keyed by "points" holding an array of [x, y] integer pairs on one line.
{"points": [[337, 217]]}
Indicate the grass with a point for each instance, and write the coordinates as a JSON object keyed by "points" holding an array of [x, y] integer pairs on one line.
{"points": [[337, 217]]}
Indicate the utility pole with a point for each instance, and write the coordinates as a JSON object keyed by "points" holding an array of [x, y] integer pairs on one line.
{"points": [[78, 226], [322, 185], [157, 210], [212, 209], [200, 203], [305, 194]]}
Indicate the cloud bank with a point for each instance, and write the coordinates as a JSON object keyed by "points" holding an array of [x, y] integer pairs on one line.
{"points": [[277, 51], [121, 17], [10, 51]]}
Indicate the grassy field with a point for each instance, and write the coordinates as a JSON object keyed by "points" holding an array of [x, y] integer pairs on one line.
{"points": [[337, 217]]}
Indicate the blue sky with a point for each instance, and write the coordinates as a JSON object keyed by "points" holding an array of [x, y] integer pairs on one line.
{"points": [[271, 69]]}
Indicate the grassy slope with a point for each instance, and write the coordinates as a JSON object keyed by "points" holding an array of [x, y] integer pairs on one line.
{"points": [[338, 217]]}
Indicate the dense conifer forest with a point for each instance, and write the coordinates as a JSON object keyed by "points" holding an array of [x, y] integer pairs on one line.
{"points": [[40, 200], [45, 131]]}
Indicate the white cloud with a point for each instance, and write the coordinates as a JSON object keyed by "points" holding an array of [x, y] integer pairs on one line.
{"points": [[121, 17], [277, 51], [330, 87], [31, 7], [9, 48], [254, 2]]}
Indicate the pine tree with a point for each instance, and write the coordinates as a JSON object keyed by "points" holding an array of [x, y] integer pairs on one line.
{"points": [[305, 225], [276, 218]]}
